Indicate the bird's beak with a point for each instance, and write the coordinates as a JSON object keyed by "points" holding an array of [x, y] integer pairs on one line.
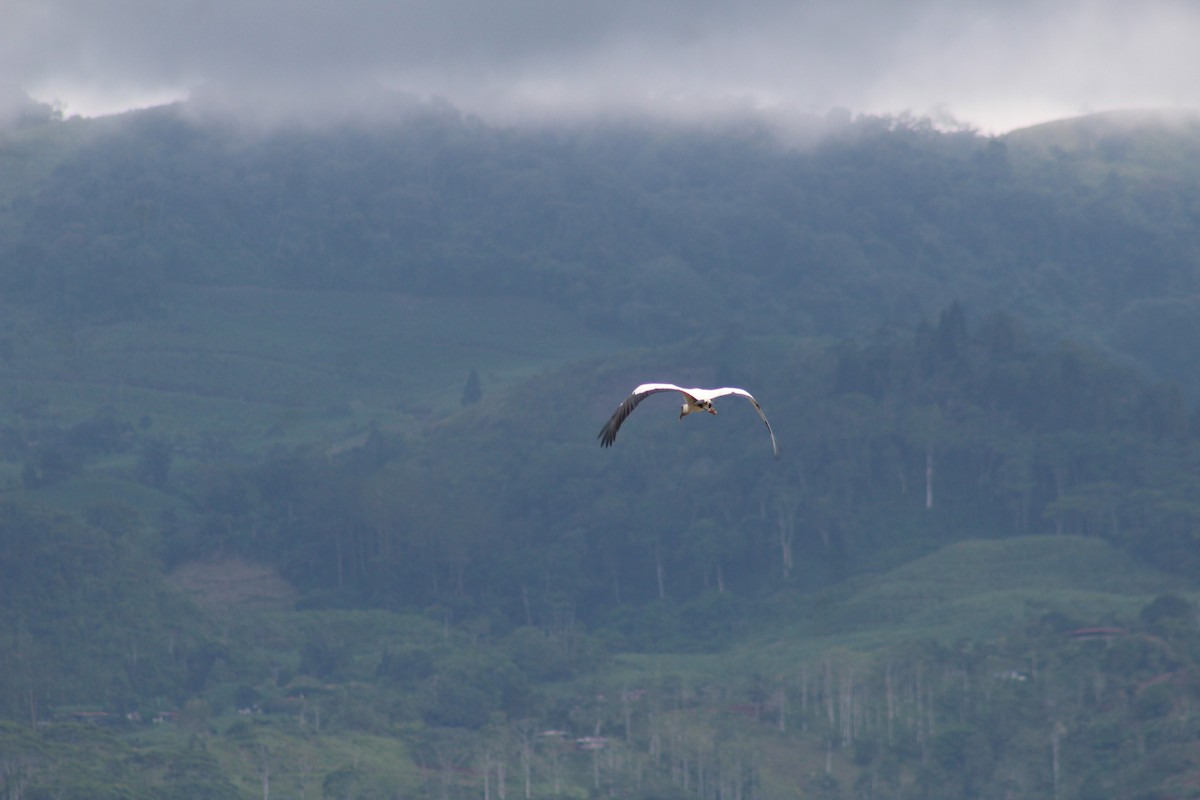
{"points": [[712, 411]]}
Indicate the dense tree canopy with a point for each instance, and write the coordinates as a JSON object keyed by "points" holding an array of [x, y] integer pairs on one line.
{"points": [[635, 227], [892, 447]]}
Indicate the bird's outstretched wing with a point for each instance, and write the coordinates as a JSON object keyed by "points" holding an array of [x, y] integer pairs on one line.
{"points": [[608, 434], [734, 390]]}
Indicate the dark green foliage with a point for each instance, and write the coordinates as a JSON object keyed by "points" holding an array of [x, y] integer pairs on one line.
{"points": [[85, 761], [408, 665], [85, 615], [103, 434], [1167, 608], [322, 659], [192, 772], [49, 465], [544, 657], [468, 689], [154, 462], [903, 444], [473, 390]]}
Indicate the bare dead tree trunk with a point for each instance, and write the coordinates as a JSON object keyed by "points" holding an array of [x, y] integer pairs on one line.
{"points": [[487, 775], [266, 772], [659, 572], [556, 768], [846, 704], [931, 709], [890, 700], [32, 700], [827, 689], [338, 550], [928, 477], [804, 697], [306, 767], [785, 518], [1055, 734], [627, 713], [526, 750], [922, 738]]}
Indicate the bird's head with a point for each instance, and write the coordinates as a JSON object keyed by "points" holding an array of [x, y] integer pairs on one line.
{"points": [[699, 405]]}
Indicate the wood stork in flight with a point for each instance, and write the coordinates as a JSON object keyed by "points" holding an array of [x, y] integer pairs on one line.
{"points": [[693, 400]]}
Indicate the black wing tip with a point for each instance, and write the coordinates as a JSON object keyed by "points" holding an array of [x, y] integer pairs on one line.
{"points": [[608, 434], [606, 437]]}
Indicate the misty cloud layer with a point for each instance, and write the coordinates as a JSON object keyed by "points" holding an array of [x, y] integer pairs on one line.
{"points": [[992, 63]]}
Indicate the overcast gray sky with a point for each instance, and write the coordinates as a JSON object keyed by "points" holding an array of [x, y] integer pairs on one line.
{"points": [[994, 64]]}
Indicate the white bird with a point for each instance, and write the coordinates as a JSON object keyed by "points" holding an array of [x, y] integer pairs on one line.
{"points": [[693, 400]]}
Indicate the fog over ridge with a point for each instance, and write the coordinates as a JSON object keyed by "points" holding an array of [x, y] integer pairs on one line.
{"points": [[994, 65]]}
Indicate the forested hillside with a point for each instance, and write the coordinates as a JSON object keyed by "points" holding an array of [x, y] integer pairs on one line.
{"points": [[633, 227], [302, 492]]}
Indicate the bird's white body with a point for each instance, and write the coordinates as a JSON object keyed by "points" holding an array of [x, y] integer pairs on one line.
{"points": [[694, 400]]}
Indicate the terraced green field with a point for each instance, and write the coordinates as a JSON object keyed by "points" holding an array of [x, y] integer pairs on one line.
{"points": [[253, 367], [974, 590]]}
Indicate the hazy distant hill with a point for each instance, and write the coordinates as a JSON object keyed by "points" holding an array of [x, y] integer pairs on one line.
{"points": [[1162, 143], [1085, 227]]}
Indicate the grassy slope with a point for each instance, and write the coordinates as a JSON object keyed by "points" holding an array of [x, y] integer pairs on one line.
{"points": [[974, 589], [230, 372], [297, 761], [970, 591], [1152, 145], [262, 367], [977, 588]]}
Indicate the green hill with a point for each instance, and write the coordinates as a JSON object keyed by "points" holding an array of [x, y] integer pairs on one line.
{"points": [[981, 588], [642, 233], [242, 362], [257, 367], [1146, 144]]}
